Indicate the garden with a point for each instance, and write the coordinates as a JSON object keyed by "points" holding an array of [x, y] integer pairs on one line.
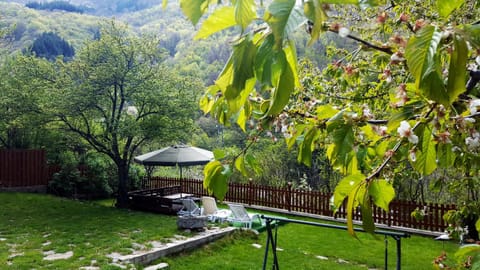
{"points": [[364, 109]]}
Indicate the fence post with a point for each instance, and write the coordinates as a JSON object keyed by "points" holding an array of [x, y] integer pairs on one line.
{"points": [[250, 191], [289, 196]]}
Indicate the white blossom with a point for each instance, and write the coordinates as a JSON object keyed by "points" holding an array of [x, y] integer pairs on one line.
{"points": [[472, 143], [367, 113], [470, 120], [404, 130], [343, 32], [473, 106], [396, 58], [132, 110]]}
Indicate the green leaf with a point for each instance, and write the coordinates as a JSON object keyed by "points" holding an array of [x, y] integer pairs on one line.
{"points": [[445, 155], [240, 165], [244, 12], [315, 13], [345, 187], [243, 116], [342, 142], [237, 103], [457, 72], [264, 61], [243, 58], [283, 82], [253, 163], [406, 112], [326, 112], [352, 202], [471, 33], [207, 100], [225, 78], [382, 193], [215, 180], [291, 56], [297, 136], [220, 19], [284, 18], [306, 146], [194, 9], [219, 154], [446, 7], [367, 215], [426, 161], [422, 59]]}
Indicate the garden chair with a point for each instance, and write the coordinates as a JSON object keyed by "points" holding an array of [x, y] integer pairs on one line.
{"points": [[240, 215], [190, 208], [210, 209]]}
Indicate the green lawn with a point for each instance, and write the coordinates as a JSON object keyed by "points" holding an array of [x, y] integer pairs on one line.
{"points": [[31, 224]]}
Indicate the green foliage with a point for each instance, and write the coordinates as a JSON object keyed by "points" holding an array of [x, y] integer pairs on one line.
{"points": [[115, 95], [55, 5], [89, 179], [50, 45], [414, 82], [74, 27]]}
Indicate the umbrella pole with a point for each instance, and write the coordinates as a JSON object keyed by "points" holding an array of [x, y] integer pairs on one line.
{"points": [[181, 188]]}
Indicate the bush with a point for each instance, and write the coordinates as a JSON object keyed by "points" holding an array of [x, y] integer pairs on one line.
{"points": [[88, 180]]}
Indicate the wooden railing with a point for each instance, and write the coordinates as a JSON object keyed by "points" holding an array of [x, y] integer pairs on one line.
{"points": [[314, 202]]}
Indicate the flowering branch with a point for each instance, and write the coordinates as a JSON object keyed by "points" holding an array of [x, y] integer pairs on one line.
{"points": [[376, 173]]}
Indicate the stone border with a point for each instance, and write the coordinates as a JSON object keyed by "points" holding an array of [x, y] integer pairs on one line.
{"points": [[202, 238]]}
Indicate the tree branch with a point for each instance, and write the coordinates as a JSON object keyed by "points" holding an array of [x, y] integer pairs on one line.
{"points": [[386, 50], [377, 171]]}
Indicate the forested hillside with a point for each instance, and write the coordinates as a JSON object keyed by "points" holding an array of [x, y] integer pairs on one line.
{"points": [[30, 24], [104, 7]]}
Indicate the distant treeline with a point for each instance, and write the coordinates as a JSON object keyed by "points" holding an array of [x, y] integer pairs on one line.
{"points": [[50, 45], [56, 5]]}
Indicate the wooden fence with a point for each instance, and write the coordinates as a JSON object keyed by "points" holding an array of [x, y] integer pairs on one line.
{"points": [[23, 168], [314, 202]]}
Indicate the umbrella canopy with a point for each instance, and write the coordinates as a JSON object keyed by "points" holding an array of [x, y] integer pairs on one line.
{"points": [[176, 155]]}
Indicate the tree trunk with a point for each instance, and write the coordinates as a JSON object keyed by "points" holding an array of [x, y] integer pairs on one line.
{"points": [[122, 195]]}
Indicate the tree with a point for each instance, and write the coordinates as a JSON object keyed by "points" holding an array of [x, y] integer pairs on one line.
{"points": [[407, 94], [117, 96], [22, 123], [50, 45]]}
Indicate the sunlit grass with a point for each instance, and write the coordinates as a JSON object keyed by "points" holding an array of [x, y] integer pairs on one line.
{"points": [[32, 224]]}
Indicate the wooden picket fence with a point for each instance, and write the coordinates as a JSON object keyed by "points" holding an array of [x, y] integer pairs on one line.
{"points": [[23, 168], [313, 202]]}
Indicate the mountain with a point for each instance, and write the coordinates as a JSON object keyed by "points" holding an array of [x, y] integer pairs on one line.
{"points": [[104, 7], [30, 24], [202, 58]]}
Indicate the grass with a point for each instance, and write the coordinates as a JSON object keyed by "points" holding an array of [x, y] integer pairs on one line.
{"points": [[92, 230], [31, 224], [302, 245]]}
